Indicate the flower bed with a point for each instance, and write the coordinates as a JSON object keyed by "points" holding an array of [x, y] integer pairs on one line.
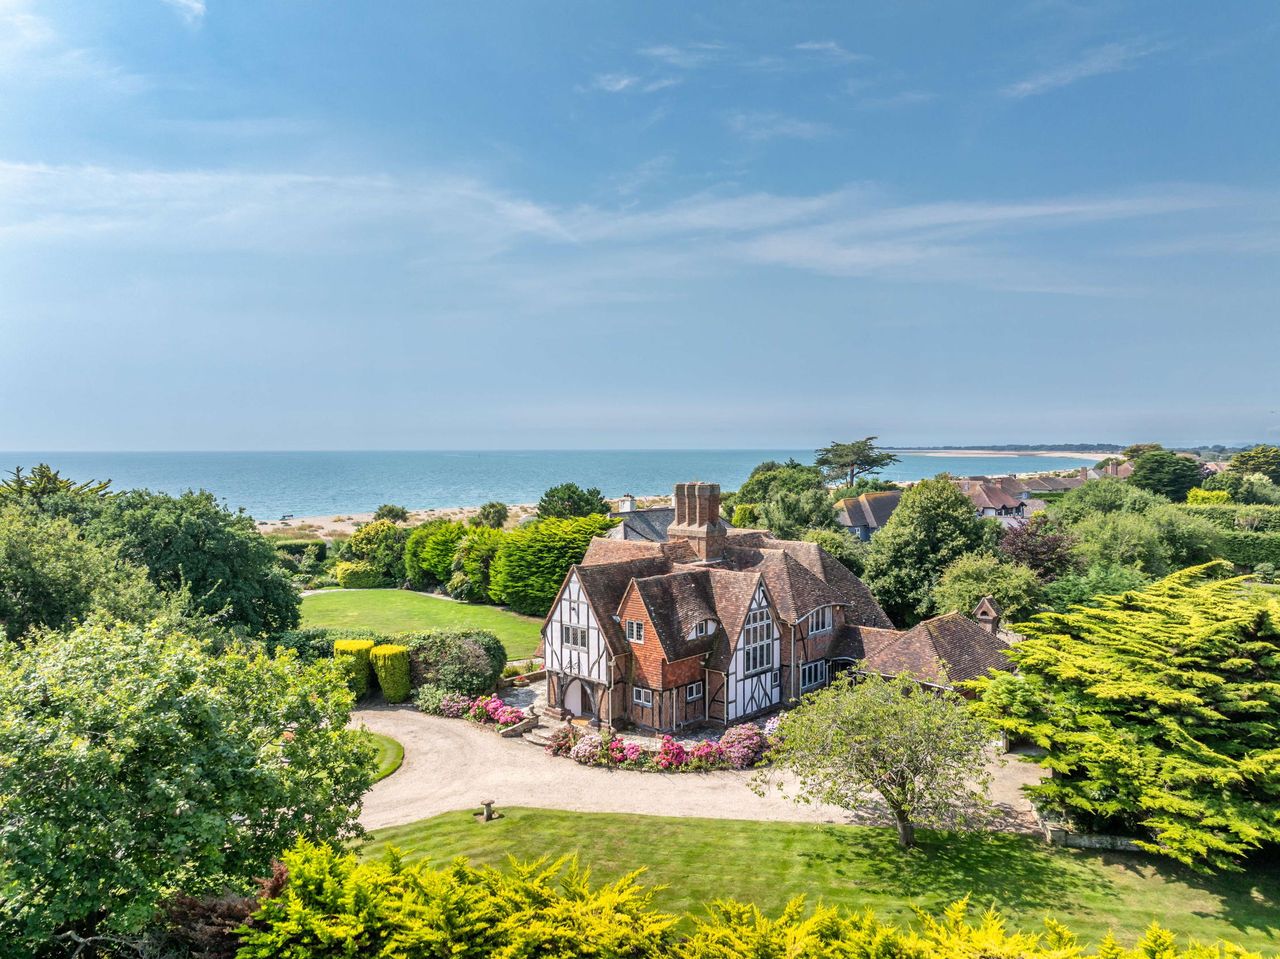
{"points": [[741, 747], [487, 710]]}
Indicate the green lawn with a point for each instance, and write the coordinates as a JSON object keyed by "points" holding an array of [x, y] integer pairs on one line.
{"points": [[401, 611], [390, 754], [858, 867]]}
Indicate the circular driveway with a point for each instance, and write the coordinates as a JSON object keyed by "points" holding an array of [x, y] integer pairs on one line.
{"points": [[451, 764]]}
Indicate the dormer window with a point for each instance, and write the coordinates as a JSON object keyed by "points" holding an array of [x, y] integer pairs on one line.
{"points": [[635, 632], [819, 621], [704, 628]]}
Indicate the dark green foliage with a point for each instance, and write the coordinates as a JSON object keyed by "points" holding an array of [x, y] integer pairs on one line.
{"points": [[1251, 549], [1231, 516], [471, 562], [133, 762], [194, 542], [381, 545], [389, 511], [51, 577], [44, 483], [1159, 711], [1244, 488], [843, 545], [1166, 474], [848, 461], [770, 478], [458, 661], [298, 547], [568, 500], [494, 515], [1260, 459], [311, 642], [1086, 588], [863, 484], [933, 526], [788, 514], [433, 546], [532, 561]]}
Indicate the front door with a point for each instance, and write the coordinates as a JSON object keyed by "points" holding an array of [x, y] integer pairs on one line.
{"points": [[577, 699]]}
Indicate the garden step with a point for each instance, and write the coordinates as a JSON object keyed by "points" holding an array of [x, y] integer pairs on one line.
{"points": [[537, 736]]}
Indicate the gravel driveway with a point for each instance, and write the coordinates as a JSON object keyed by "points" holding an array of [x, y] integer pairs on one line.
{"points": [[450, 764]]}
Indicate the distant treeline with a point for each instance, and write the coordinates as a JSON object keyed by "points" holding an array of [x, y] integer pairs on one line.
{"points": [[1027, 447]]}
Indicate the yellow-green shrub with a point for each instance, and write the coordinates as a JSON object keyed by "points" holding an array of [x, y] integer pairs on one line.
{"points": [[333, 904], [391, 666], [356, 653], [358, 574]]}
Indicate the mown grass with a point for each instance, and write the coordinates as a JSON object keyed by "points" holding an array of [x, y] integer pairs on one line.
{"points": [[401, 611], [390, 754], [699, 860]]}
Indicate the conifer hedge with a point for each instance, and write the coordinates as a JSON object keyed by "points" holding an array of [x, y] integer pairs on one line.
{"points": [[391, 666], [532, 561], [1160, 713], [1256, 518], [356, 651]]}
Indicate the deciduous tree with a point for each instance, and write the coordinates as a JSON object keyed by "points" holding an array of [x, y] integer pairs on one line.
{"points": [[971, 577], [1038, 545], [920, 750]]}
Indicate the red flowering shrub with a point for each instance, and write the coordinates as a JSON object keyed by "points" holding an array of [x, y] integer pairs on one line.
{"points": [[671, 755]]}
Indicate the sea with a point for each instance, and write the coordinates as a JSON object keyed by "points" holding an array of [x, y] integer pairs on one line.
{"points": [[270, 485]]}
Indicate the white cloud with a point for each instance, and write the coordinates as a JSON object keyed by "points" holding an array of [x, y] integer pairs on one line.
{"points": [[687, 56], [828, 50], [32, 51], [614, 82], [192, 10], [772, 126], [1109, 58]]}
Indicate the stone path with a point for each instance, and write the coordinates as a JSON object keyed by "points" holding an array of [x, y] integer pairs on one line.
{"points": [[451, 764]]}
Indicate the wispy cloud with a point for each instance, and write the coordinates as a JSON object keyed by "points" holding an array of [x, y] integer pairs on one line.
{"points": [[192, 11], [33, 51], [759, 127], [1109, 58], [614, 82], [828, 50], [688, 56], [894, 101]]}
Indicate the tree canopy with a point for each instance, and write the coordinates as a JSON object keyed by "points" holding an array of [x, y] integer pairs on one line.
{"points": [[932, 527], [1260, 459], [971, 577], [1159, 711], [920, 750], [381, 545], [1037, 545], [787, 514], [531, 562], [845, 462], [568, 500], [1166, 474], [134, 763]]}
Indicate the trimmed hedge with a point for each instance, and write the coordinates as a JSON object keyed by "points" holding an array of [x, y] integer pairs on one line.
{"points": [[531, 563], [391, 666], [1251, 549], [297, 548], [357, 651], [1239, 516], [358, 574]]}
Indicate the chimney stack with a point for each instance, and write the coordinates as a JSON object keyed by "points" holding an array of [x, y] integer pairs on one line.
{"points": [[988, 614], [697, 519], [627, 504]]}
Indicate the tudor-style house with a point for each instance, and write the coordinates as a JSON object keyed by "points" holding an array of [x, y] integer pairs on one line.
{"points": [[709, 625]]}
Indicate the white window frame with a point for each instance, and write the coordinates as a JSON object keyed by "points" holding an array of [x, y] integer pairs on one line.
{"points": [[635, 632], [701, 629], [820, 620], [642, 697], [693, 692], [575, 637], [814, 674], [757, 642]]}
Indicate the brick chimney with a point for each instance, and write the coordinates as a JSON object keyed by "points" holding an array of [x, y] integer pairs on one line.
{"points": [[697, 519]]}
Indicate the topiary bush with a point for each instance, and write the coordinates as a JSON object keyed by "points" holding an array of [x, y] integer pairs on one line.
{"points": [[358, 574], [356, 653], [391, 666], [459, 661]]}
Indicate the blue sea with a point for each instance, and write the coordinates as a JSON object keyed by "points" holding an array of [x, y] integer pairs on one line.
{"points": [[268, 485]]}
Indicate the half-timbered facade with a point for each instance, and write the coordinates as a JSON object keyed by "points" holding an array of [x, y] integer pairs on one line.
{"points": [[711, 625]]}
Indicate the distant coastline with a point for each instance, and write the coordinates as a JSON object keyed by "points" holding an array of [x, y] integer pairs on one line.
{"points": [[1091, 456]]}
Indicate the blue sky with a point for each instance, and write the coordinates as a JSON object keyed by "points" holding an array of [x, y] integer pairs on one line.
{"points": [[276, 224]]}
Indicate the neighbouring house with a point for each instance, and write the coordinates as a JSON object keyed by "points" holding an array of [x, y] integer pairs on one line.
{"points": [[714, 625], [863, 515], [991, 500], [649, 524]]}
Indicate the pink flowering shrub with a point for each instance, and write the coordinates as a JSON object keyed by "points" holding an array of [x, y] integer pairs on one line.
{"points": [[563, 739], [631, 755], [706, 755], [742, 746], [454, 705], [491, 709], [589, 751], [671, 755]]}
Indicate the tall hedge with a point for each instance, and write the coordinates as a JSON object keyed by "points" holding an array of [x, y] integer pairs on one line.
{"points": [[428, 554], [1251, 549], [459, 661], [1234, 516], [358, 574], [356, 651], [391, 666], [532, 562]]}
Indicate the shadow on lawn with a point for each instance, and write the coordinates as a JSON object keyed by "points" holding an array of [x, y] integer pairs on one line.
{"points": [[1010, 872], [1248, 900]]}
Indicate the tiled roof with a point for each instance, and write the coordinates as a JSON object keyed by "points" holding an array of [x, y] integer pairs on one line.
{"points": [[606, 583], [644, 524], [677, 602], [988, 495], [870, 509], [943, 651]]}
